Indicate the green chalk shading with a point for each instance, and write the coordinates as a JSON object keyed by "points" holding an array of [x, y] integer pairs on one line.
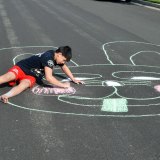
{"points": [[114, 105]]}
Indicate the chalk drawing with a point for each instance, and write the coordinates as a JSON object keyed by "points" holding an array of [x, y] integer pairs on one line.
{"points": [[157, 88], [114, 105], [109, 88], [52, 90]]}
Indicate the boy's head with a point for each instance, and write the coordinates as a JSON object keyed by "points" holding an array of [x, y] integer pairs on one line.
{"points": [[63, 54]]}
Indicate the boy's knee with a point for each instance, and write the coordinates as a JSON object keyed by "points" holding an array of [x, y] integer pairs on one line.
{"points": [[9, 76], [25, 83]]}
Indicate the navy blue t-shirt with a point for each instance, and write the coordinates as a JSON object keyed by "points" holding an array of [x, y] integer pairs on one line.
{"points": [[35, 64]]}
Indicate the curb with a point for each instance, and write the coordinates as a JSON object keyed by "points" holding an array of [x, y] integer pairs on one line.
{"points": [[147, 3]]}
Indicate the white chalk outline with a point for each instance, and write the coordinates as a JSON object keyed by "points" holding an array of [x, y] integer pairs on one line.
{"points": [[111, 63]]}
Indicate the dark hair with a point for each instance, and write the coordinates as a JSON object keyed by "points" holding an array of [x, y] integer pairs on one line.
{"points": [[66, 52]]}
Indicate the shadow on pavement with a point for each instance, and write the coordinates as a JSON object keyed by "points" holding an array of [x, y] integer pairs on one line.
{"points": [[4, 85], [116, 1]]}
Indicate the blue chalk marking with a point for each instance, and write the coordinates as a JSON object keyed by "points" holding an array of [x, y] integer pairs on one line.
{"points": [[114, 105]]}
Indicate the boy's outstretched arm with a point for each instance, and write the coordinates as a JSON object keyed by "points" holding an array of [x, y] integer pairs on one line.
{"points": [[67, 71], [51, 79]]}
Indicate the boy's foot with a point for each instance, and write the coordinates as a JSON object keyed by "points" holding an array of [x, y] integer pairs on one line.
{"points": [[4, 99]]}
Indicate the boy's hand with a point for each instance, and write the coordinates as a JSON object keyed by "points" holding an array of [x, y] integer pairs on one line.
{"points": [[66, 84], [78, 81]]}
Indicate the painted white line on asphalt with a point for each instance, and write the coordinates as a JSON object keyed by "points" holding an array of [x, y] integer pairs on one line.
{"points": [[142, 5], [11, 35], [150, 7]]}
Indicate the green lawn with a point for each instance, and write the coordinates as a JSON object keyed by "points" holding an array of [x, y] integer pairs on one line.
{"points": [[155, 1]]}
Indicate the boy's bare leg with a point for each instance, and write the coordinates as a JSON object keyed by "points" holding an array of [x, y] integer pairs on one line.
{"points": [[24, 84], [10, 76]]}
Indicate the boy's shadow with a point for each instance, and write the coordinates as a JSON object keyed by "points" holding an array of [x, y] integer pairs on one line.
{"points": [[4, 85]]}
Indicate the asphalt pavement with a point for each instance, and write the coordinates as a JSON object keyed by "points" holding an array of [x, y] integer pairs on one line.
{"points": [[115, 115]]}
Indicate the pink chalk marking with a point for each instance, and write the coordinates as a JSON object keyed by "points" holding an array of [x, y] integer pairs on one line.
{"points": [[52, 91], [157, 88]]}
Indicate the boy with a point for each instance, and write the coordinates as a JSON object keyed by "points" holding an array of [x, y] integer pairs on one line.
{"points": [[28, 71]]}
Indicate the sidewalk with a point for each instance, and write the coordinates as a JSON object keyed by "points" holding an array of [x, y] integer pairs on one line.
{"points": [[147, 3]]}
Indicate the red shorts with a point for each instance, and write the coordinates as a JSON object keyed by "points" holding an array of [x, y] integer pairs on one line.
{"points": [[20, 75]]}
